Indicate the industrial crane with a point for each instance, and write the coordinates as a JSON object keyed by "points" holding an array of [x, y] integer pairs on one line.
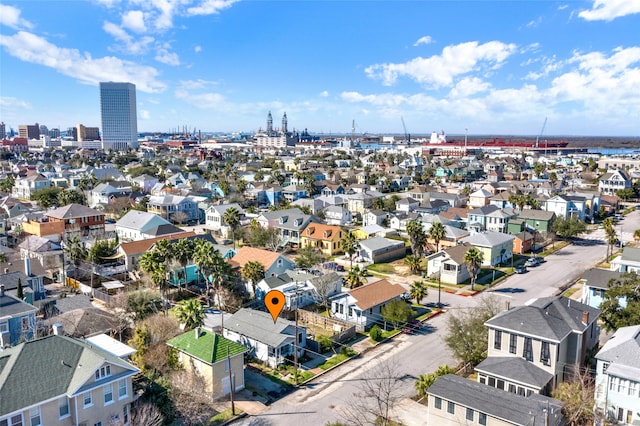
{"points": [[541, 131], [407, 136]]}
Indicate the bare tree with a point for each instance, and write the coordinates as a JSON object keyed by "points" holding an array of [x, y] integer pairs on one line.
{"points": [[380, 392], [145, 414], [577, 397], [188, 393]]}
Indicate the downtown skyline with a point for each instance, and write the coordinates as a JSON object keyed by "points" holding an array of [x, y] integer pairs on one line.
{"points": [[491, 67]]}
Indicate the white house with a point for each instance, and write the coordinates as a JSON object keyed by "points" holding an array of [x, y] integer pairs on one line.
{"points": [[214, 217]]}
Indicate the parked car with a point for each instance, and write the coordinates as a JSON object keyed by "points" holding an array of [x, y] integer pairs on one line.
{"points": [[412, 326], [531, 262], [521, 269]]}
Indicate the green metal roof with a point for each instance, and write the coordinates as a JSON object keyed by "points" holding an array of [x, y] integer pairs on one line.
{"points": [[209, 347]]}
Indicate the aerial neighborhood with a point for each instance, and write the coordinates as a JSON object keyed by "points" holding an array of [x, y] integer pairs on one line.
{"points": [[461, 284]]}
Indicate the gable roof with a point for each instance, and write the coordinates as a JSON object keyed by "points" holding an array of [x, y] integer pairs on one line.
{"points": [[488, 238], [507, 406], [515, 369], [12, 306], [623, 351], [259, 326], [599, 278], [378, 292], [134, 247], [246, 254], [142, 221], [536, 214], [72, 211], [317, 231], [208, 347], [58, 365]]}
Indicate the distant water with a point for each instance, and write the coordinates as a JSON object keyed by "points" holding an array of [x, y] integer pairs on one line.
{"points": [[603, 151]]}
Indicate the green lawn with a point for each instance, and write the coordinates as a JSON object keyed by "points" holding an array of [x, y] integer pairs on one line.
{"points": [[383, 268], [223, 417], [334, 360]]}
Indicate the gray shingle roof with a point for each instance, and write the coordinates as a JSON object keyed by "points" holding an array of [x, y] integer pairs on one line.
{"points": [[599, 278], [512, 408], [379, 243], [488, 239], [12, 306], [259, 326], [50, 367], [72, 211], [623, 349], [515, 369], [536, 214]]}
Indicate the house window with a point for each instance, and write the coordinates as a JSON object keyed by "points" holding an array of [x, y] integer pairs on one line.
{"points": [[545, 354], [483, 380], [25, 324], [500, 384], [633, 388], [12, 421], [122, 388], [482, 419], [497, 339], [513, 343], [527, 351], [521, 391], [451, 407], [613, 383], [605, 365], [108, 394], [63, 407], [512, 388], [620, 414], [438, 403], [469, 414], [125, 413], [492, 382], [104, 371], [34, 416], [4, 327], [87, 399]]}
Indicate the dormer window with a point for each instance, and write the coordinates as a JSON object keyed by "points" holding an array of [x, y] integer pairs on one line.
{"points": [[327, 234], [298, 222], [311, 230], [283, 219], [102, 372]]}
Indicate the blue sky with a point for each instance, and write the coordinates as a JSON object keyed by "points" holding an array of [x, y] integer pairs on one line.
{"points": [[492, 67]]}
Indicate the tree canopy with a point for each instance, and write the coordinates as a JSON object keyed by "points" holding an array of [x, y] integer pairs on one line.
{"points": [[568, 228], [621, 304]]}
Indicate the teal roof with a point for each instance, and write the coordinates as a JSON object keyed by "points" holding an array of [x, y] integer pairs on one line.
{"points": [[209, 347]]}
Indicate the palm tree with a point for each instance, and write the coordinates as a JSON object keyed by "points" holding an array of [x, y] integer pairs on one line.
{"points": [[437, 233], [155, 266], [473, 258], [609, 228], [355, 277], [190, 313], [183, 251], [253, 271], [202, 255], [413, 262], [350, 245], [418, 291], [220, 273], [232, 218], [75, 250], [417, 236]]}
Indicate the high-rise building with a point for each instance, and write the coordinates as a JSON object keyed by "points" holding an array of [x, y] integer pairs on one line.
{"points": [[3, 130], [87, 133], [119, 115], [29, 131]]}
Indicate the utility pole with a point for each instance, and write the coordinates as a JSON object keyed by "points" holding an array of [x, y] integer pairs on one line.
{"points": [[439, 284], [231, 382], [295, 339]]}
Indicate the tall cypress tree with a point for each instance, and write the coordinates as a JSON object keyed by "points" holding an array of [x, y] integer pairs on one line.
{"points": [[20, 291]]}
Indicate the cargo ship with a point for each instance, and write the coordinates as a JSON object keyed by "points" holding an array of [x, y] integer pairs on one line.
{"points": [[439, 140]]}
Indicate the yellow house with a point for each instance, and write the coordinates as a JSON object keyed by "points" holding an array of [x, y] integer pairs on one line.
{"points": [[325, 238], [211, 356]]}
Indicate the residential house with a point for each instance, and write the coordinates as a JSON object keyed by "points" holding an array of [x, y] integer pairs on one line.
{"points": [[618, 377], [369, 231], [448, 265], [374, 217], [454, 400], [398, 221], [17, 322], [501, 200], [566, 206], [64, 381], [214, 217], [78, 220], [380, 250], [614, 180], [326, 238], [45, 228], [26, 186], [609, 203], [104, 193], [628, 261], [174, 208], [538, 220], [301, 288], [524, 242], [130, 251], [32, 283], [406, 205], [488, 218], [138, 225], [212, 356], [454, 200], [496, 247], [145, 182], [432, 207], [362, 306], [292, 193], [268, 341], [272, 262], [290, 223], [595, 282], [532, 348], [480, 198], [360, 202], [337, 215], [47, 254]]}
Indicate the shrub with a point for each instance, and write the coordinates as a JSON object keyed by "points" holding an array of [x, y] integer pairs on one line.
{"points": [[325, 343], [375, 333]]}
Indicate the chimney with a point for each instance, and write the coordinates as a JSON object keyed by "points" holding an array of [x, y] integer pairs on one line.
{"points": [[27, 266], [197, 331], [57, 329], [507, 305], [585, 317], [1, 290]]}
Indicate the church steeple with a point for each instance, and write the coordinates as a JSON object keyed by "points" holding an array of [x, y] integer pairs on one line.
{"points": [[269, 123], [284, 123]]}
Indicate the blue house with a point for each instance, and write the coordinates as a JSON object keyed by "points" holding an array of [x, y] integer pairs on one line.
{"points": [[17, 319], [274, 195], [595, 283]]}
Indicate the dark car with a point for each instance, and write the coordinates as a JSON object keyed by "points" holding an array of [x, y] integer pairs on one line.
{"points": [[412, 326], [521, 269]]}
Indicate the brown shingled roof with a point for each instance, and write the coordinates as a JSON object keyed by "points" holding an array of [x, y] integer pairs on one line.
{"points": [[135, 247], [246, 254], [378, 292]]}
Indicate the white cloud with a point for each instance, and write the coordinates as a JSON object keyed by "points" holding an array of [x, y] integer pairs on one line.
{"points": [[143, 114], [8, 102], [71, 62], [534, 23], [202, 100], [469, 87], [324, 94], [439, 71], [128, 44], [608, 10], [196, 84], [197, 49], [423, 40], [10, 16], [164, 56], [563, 7], [134, 20], [210, 7]]}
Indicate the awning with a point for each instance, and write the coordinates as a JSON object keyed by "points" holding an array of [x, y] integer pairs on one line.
{"points": [[112, 285], [115, 256]]}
